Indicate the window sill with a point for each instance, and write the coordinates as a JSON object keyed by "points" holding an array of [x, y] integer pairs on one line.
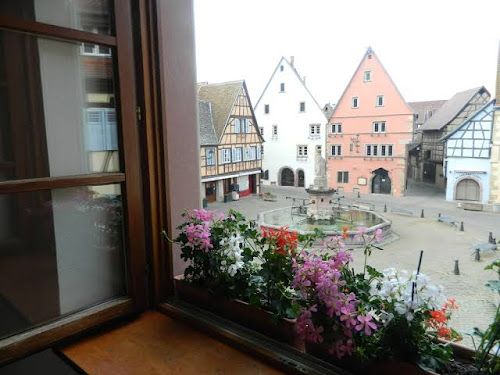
{"points": [[301, 158]]}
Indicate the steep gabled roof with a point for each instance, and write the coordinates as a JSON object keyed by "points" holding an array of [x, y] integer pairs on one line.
{"points": [[222, 97], [450, 109], [469, 120], [368, 51], [207, 130], [296, 74]]}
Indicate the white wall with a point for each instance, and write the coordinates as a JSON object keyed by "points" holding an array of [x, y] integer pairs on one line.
{"points": [[293, 126], [456, 168]]}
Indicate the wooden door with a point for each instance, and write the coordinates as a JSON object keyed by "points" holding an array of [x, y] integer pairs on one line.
{"points": [[429, 172], [300, 175], [468, 190], [287, 177], [210, 191]]}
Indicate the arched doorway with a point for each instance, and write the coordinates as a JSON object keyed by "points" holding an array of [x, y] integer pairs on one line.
{"points": [[468, 190], [287, 177], [301, 178], [381, 183]]}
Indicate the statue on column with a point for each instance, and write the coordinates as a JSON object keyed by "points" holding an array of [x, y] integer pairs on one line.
{"points": [[319, 170]]}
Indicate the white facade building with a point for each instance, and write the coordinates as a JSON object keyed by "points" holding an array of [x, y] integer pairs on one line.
{"points": [[467, 158], [293, 126]]}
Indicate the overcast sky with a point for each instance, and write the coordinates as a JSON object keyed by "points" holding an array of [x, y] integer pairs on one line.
{"points": [[431, 49]]}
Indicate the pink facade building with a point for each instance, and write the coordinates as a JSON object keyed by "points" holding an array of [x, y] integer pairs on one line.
{"points": [[369, 132]]}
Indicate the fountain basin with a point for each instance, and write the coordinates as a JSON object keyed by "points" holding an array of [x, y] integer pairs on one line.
{"points": [[351, 218]]}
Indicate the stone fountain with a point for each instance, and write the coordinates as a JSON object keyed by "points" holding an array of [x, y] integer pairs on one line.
{"points": [[320, 195]]}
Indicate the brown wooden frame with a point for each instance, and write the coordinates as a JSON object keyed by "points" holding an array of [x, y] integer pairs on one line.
{"points": [[46, 335]]}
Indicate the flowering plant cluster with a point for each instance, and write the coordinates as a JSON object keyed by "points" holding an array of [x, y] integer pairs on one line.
{"points": [[371, 315]]}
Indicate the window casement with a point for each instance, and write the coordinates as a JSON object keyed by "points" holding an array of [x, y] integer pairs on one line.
{"points": [[336, 128], [336, 150], [354, 102], [379, 127], [74, 174], [237, 152], [251, 153], [302, 152], [261, 130], [237, 125], [246, 121], [209, 156], [379, 101], [281, 68], [266, 109], [379, 150], [368, 150], [367, 76], [225, 156], [282, 87], [343, 177], [314, 129], [275, 132], [375, 150], [259, 152], [389, 150], [302, 106]]}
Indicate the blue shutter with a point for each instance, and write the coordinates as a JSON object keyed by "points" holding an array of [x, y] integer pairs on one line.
{"points": [[111, 131], [95, 128], [237, 125]]}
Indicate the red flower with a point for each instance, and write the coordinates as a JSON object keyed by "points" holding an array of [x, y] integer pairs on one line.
{"points": [[444, 332], [439, 316], [284, 241]]}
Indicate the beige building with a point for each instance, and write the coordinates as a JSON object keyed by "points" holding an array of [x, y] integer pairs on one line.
{"points": [[495, 144], [230, 140]]}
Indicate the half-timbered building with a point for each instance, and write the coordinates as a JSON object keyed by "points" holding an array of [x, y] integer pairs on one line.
{"points": [[467, 160], [230, 140], [430, 152]]}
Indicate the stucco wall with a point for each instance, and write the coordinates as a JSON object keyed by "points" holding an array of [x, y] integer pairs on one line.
{"points": [[459, 168]]}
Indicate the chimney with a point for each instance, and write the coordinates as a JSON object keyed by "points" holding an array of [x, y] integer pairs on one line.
{"points": [[292, 60]]}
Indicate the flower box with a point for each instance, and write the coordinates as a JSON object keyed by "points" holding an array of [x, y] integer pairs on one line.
{"points": [[239, 312]]}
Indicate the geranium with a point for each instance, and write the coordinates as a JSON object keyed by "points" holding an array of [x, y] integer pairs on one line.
{"points": [[366, 323], [283, 240]]}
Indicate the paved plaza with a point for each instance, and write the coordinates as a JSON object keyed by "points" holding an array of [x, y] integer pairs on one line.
{"points": [[442, 243]]}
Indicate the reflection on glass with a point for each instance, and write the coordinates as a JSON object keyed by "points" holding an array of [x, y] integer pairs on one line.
{"points": [[93, 16], [60, 251], [57, 108]]}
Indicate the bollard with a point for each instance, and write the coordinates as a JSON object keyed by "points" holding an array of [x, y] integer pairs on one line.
{"points": [[461, 226], [439, 217], [491, 239], [385, 208], [456, 271], [422, 214], [359, 195], [477, 257]]}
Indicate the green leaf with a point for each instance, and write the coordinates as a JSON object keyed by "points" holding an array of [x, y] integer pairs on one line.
{"points": [[255, 300]]}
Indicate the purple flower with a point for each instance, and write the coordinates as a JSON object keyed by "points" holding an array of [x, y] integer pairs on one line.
{"points": [[365, 322]]}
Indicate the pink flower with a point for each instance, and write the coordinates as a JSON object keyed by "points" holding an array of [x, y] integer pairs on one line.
{"points": [[366, 323], [378, 235]]}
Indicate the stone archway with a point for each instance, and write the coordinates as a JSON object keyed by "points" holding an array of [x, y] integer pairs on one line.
{"points": [[381, 182], [301, 179], [468, 189], [287, 177]]}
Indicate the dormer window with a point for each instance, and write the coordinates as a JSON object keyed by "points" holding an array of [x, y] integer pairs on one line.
{"points": [[368, 76], [354, 102], [282, 87]]}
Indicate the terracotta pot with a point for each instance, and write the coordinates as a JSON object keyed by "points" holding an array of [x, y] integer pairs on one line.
{"points": [[239, 312], [392, 367]]}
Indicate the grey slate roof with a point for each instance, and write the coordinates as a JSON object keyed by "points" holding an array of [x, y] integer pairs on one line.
{"points": [[450, 109], [222, 97], [421, 109], [207, 130]]}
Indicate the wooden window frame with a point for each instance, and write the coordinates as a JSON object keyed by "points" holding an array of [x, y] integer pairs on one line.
{"points": [[135, 300]]}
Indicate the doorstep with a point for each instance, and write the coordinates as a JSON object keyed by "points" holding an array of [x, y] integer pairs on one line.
{"points": [[158, 344]]}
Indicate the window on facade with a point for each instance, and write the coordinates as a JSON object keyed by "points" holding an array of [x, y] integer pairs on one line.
{"points": [[368, 76], [237, 125], [389, 150], [251, 153], [301, 150], [237, 154], [336, 150], [379, 101], [247, 125], [281, 68], [282, 87], [226, 156], [275, 131], [354, 102], [368, 150], [302, 107], [318, 148], [261, 130], [314, 129], [379, 127], [266, 108], [336, 128], [259, 152], [375, 150], [342, 177], [210, 156]]}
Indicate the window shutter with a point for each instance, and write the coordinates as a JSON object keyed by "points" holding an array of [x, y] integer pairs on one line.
{"points": [[111, 131], [95, 127]]}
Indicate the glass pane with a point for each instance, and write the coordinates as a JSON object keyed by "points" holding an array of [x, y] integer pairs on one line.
{"points": [[93, 16], [60, 251], [57, 108]]}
